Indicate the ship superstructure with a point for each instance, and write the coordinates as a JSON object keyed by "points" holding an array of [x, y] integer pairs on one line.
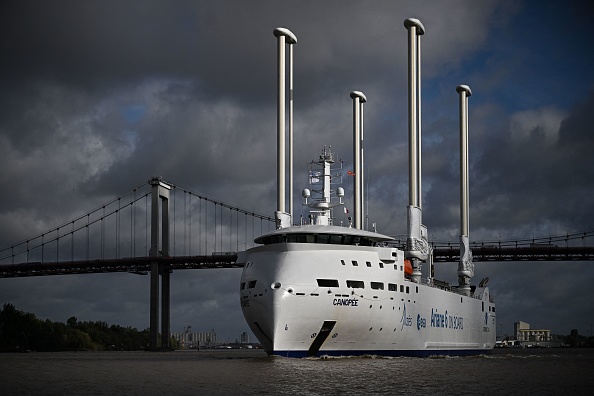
{"points": [[318, 288]]}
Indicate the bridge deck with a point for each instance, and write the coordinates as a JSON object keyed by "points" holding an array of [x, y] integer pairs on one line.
{"points": [[141, 265], [512, 253], [135, 265]]}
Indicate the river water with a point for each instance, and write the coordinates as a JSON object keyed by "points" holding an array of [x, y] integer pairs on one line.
{"points": [[251, 372]]}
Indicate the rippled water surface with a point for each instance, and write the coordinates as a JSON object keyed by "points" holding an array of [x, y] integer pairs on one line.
{"points": [[251, 372]]}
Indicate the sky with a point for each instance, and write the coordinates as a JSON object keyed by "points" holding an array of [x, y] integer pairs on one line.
{"points": [[97, 97]]}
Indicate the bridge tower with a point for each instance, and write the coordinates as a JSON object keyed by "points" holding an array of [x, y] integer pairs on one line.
{"points": [[159, 192]]}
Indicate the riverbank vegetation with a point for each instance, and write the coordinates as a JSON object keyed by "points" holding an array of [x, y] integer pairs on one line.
{"points": [[23, 331]]}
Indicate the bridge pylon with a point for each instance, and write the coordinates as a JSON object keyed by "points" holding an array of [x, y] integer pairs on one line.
{"points": [[159, 194]]}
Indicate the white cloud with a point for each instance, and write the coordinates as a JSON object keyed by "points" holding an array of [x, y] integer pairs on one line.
{"points": [[537, 123]]}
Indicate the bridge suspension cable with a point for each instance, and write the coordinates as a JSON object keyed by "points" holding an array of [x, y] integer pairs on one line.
{"points": [[199, 225]]}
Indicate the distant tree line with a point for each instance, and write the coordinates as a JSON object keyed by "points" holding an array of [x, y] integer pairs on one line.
{"points": [[24, 331], [574, 339]]}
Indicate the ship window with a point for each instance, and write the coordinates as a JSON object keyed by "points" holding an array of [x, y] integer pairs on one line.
{"points": [[483, 307], [242, 285], [252, 284], [416, 289], [401, 288], [396, 267], [327, 283], [392, 287], [377, 285], [355, 284], [368, 263], [342, 262], [381, 265], [493, 309], [298, 238], [407, 290], [335, 239], [322, 238], [355, 263]]}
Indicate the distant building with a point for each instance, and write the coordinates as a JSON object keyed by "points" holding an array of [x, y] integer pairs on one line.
{"points": [[191, 340], [525, 333], [244, 338], [527, 337]]}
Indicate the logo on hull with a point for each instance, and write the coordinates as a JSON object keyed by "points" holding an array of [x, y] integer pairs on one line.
{"points": [[445, 321], [405, 320]]}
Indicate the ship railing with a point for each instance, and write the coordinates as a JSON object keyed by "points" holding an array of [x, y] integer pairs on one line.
{"points": [[446, 286]]}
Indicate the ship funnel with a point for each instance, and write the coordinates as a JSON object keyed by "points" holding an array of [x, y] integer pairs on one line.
{"points": [[417, 248], [285, 37], [465, 266], [358, 100]]}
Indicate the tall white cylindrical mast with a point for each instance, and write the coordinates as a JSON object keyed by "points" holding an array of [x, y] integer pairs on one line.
{"points": [[415, 30], [417, 246], [465, 266], [291, 130], [358, 100], [285, 37]]}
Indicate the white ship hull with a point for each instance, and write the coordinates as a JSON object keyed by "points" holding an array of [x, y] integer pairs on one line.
{"points": [[293, 316]]}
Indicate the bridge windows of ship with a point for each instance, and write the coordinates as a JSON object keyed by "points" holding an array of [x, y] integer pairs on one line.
{"points": [[335, 239], [377, 285], [355, 263], [368, 263]]}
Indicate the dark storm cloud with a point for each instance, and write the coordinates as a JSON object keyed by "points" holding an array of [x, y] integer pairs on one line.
{"points": [[538, 167], [92, 42]]}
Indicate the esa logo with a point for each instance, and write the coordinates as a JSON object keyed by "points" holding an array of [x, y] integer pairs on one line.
{"points": [[421, 322]]}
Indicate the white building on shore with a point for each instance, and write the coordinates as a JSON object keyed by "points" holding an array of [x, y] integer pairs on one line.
{"points": [[191, 340]]}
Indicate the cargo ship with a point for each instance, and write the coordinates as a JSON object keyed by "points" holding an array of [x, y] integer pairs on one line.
{"points": [[316, 288]]}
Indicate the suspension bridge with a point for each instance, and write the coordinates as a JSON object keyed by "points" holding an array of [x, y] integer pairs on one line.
{"points": [[159, 227]]}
